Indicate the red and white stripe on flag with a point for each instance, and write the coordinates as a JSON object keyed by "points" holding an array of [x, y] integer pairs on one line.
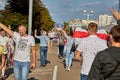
{"points": [[82, 33], [102, 34]]}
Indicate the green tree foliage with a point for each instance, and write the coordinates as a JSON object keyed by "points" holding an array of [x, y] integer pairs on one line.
{"points": [[13, 19], [16, 12], [41, 16], [65, 25], [19, 6]]}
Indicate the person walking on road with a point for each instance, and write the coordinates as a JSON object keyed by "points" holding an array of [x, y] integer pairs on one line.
{"points": [[106, 65], [61, 46], [24, 45], [44, 47], [69, 54], [88, 48]]}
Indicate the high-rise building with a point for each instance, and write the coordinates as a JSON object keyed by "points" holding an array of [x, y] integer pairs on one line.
{"points": [[75, 22], [105, 20]]}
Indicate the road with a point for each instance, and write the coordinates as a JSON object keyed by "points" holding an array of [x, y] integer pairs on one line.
{"points": [[53, 71]]}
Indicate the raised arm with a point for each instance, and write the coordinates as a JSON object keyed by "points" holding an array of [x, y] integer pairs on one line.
{"points": [[4, 27], [65, 34], [35, 33], [115, 14]]}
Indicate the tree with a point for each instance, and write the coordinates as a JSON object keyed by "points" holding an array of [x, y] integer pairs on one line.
{"points": [[41, 14], [65, 25], [16, 12]]}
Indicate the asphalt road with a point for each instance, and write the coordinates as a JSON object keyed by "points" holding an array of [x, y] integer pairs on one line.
{"points": [[53, 70]]}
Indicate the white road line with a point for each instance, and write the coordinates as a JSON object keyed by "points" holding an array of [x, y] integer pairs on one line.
{"points": [[55, 72]]}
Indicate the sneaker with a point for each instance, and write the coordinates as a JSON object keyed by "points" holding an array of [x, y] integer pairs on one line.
{"points": [[68, 69], [60, 57], [43, 65]]}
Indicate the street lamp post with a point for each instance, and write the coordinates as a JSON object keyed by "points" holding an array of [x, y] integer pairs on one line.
{"points": [[119, 7], [30, 16], [87, 13]]}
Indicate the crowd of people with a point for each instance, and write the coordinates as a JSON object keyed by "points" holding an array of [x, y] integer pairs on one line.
{"points": [[99, 58]]}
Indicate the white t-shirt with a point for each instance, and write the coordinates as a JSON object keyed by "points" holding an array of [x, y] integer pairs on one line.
{"points": [[4, 41], [23, 47], [89, 47], [51, 34]]}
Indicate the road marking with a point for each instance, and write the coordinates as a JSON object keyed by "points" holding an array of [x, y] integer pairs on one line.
{"points": [[41, 71], [55, 72]]}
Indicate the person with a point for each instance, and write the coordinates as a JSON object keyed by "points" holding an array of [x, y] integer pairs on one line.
{"points": [[88, 48], [106, 63], [69, 54], [61, 45], [44, 47], [11, 51], [24, 44], [4, 41], [2, 60]]}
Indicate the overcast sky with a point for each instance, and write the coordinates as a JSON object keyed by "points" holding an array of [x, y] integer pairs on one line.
{"points": [[64, 10]]}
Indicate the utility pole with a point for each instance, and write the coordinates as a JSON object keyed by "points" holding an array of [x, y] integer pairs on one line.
{"points": [[119, 7], [30, 16]]}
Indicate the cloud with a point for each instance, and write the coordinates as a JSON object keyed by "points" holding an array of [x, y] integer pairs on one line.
{"points": [[67, 1], [70, 9], [88, 6], [91, 4]]}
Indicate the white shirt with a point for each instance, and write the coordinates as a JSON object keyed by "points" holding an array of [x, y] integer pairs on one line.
{"points": [[23, 47], [89, 47], [51, 34], [4, 41]]}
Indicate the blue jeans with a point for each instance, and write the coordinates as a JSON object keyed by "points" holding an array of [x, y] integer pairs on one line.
{"points": [[83, 77], [43, 55], [68, 58], [61, 49], [21, 70]]}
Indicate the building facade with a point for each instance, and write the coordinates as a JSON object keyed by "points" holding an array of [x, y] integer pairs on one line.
{"points": [[105, 20]]}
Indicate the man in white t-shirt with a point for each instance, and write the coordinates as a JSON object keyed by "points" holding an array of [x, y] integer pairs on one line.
{"points": [[88, 48], [24, 44]]}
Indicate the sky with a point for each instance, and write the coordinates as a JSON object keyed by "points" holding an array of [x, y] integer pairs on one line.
{"points": [[2, 4], [65, 10]]}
